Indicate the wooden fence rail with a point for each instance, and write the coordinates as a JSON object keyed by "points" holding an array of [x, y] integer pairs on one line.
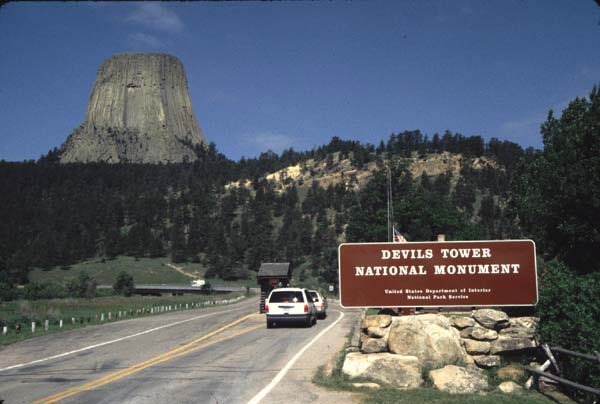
{"points": [[593, 358], [541, 371]]}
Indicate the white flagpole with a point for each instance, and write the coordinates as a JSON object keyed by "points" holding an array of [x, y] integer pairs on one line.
{"points": [[389, 230], [391, 205]]}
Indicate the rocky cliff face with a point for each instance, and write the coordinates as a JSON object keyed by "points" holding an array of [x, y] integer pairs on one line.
{"points": [[139, 112]]}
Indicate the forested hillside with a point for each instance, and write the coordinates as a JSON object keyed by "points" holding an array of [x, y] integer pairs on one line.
{"points": [[58, 214]]}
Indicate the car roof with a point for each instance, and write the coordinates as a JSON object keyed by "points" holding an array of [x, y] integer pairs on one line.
{"points": [[288, 289]]}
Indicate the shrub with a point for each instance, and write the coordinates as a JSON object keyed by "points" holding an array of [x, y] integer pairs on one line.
{"points": [[207, 288], [83, 286], [569, 309], [7, 292], [48, 290], [124, 284]]}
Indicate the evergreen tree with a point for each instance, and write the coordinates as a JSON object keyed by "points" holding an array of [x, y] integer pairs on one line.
{"points": [[260, 247], [557, 195], [178, 244], [464, 195], [289, 241]]}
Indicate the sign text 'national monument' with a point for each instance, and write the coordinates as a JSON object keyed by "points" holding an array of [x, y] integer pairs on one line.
{"points": [[436, 274]]}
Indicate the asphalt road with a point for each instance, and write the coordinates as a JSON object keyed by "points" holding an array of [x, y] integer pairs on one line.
{"points": [[215, 355]]}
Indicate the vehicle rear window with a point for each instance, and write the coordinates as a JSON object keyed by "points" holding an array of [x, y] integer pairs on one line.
{"points": [[287, 297], [314, 296]]}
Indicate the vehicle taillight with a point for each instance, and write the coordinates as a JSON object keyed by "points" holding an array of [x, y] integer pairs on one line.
{"points": [[305, 308], [266, 308]]}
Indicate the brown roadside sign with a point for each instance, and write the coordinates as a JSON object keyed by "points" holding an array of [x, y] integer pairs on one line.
{"points": [[438, 274]]}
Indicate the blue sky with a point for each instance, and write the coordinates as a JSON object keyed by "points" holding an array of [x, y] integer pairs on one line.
{"points": [[275, 75]]}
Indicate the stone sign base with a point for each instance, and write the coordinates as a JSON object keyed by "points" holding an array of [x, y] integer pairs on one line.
{"points": [[454, 347]]}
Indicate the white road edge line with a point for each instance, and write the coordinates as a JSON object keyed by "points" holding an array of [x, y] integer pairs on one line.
{"points": [[115, 340], [267, 389]]}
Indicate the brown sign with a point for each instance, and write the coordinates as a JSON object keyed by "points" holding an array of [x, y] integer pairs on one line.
{"points": [[453, 273]]}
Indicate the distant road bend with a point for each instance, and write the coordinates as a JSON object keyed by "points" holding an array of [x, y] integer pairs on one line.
{"points": [[182, 289], [216, 355]]}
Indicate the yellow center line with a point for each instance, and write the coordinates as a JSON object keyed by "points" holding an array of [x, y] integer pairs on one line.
{"points": [[174, 353]]}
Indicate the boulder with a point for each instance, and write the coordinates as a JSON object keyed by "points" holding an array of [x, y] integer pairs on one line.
{"points": [[509, 387], [512, 373], [479, 333], [506, 344], [379, 320], [470, 361], [483, 334], [521, 327], [458, 380], [524, 322], [492, 319], [374, 345], [474, 347], [363, 339], [429, 337], [488, 361], [397, 370], [462, 322], [378, 332], [518, 332]]}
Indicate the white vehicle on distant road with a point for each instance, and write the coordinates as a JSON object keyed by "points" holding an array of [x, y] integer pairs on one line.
{"points": [[290, 305], [320, 303], [198, 283]]}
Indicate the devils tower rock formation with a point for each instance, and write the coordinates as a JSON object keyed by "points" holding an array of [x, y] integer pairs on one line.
{"points": [[139, 112]]}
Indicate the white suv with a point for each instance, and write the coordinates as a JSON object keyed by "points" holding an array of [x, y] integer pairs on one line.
{"points": [[290, 305], [320, 303]]}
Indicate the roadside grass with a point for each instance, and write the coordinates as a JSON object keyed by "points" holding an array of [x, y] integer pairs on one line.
{"points": [[430, 395], [387, 394], [143, 271], [87, 312], [105, 271]]}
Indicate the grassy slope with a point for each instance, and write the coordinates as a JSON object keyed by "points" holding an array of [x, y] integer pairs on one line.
{"points": [[143, 270]]}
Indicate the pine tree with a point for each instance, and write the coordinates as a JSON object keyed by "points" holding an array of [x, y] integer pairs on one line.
{"points": [[557, 195]]}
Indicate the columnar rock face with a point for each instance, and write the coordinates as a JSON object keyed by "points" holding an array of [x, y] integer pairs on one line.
{"points": [[139, 112]]}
